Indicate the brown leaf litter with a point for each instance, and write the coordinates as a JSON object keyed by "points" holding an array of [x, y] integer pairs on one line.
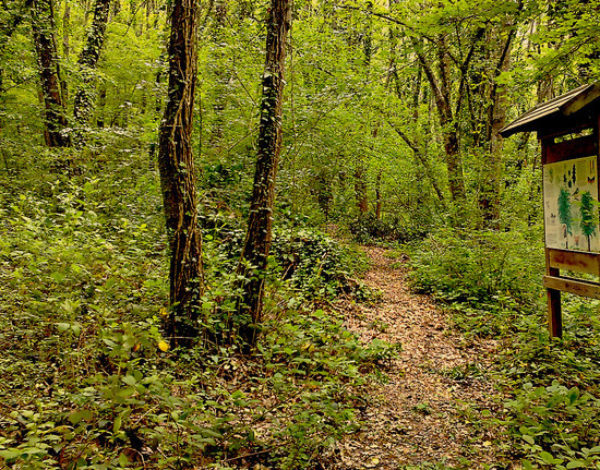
{"points": [[426, 413]]}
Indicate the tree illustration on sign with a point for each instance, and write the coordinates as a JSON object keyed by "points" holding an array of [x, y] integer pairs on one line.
{"points": [[587, 224], [564, 214]]}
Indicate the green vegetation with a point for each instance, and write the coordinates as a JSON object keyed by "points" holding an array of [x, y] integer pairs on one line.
{"points": [[550, 389], [83, 295], [182, 185]]}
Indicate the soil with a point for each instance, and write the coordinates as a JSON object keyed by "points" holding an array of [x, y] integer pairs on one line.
{"points": [[426, 410]]}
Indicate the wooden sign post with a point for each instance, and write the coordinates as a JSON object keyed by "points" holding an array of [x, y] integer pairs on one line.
{"points": [[568, 128]]}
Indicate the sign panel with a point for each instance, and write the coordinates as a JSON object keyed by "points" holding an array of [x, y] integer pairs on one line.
{"points": [[571, 205]]}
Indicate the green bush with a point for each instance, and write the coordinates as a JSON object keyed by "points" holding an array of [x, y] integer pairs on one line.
{"points": [[492, 283], [307, 259], [487, 276], [474, 266], [368, 228]]}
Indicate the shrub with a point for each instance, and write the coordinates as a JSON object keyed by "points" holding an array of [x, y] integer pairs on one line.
{"points": [[492, 282], [487, 276], [367, 228]]}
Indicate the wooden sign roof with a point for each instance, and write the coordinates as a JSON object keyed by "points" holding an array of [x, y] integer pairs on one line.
{"points": [[564, 111]]}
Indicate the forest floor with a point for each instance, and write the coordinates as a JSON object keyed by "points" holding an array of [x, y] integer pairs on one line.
{"points": [[426, 412]]}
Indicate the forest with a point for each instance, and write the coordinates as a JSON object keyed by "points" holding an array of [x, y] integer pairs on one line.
{"points": [[292, 234]]}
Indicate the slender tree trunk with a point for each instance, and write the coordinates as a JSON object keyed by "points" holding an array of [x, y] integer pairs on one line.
{"points": [[86, 16], [222, 74], [489, 197], [66, 46], [149, 11], [378, 198], [176, 167], [88, 60], [456, 180], [258, 239], [160, 72], [448, 121], [7, 28], [101, 106], [360, 190], [442, 97], [417, 94], [116, 8], [419, 151], [42, 22]]}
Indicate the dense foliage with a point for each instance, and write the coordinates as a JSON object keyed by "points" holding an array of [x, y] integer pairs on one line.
{"points": [[491, 283], [391, 119], [83, 292]]}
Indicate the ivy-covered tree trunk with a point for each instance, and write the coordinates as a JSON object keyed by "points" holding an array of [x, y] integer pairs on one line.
{"points": [[88, 60], [66, 46], [258, 238], [456, 181], [42, 23], [176, 166]]}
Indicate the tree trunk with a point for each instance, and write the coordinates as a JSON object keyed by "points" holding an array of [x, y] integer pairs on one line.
{"points": [[88, 60], [7, 28], [456, 181], [149, 10], [258, 239], [491, 213], [66, 47], [176, 167], [101, 106], [116, 8], [222, 74], [378, 198], [420, 153], [360, 190], [42, 22], [441, 95], [489, 197]]}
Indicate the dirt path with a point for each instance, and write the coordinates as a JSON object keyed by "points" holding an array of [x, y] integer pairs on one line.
{"points": [[424, 414]]}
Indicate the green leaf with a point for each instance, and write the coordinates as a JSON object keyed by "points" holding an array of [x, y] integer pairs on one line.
{"points": [[123, 460], [528, 439], [77, 416], [76, 328], [211, 433], [129, 380], [126, 392], [548, 458], [117, 424], [9, 454]]}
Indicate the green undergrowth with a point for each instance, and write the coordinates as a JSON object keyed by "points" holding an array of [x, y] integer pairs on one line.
{"points": [[89, 380], [368, 228], [549, 391]]}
